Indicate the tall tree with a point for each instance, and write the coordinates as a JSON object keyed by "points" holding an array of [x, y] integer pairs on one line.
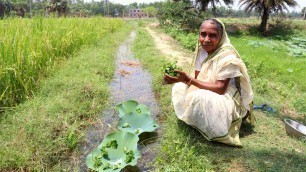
{"points": [[204, 4], [58, 6], [265, 8]]}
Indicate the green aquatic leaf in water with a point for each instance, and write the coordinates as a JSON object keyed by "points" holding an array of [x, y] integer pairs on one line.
{"points": [[132, 106], [126, 107], [139, 123], [117, 158]]}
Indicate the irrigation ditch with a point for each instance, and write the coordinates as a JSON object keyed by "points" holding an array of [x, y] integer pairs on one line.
{"points": [[130, 82]]}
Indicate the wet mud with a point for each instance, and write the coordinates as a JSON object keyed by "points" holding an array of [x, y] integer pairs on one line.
{"points": [[131, 82]]}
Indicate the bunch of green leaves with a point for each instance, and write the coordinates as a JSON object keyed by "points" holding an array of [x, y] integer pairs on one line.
{"points": [[170, 67]]}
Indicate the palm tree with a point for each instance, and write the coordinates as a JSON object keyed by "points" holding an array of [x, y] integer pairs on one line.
{"points": [[58, 6], [204, 4], [265, 8]]}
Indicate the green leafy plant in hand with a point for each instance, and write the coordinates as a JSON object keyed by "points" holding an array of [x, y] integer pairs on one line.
{"points": [[170, 67]]}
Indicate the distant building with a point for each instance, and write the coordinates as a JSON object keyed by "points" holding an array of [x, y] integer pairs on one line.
{"points": [[137, 13]]}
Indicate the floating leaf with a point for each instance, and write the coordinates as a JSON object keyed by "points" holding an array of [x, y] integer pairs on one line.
{"points": [[126, 152], [126, 107], [132, 106], [139, 123]]}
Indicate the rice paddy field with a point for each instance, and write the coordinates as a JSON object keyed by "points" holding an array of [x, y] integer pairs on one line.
{"points": [[29, 48], [54, 84]]}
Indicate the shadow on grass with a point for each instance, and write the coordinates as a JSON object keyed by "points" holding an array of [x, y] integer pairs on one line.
{"points": [[251, 157]]}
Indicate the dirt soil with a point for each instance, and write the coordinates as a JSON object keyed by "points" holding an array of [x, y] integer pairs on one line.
{"points": [[169, 47]]}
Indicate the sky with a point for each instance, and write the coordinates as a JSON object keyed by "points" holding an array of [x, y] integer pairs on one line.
{"points": [[301, 3]]}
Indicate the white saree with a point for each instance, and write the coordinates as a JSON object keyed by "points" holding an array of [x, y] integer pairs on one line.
{"points": [[217, 117]]}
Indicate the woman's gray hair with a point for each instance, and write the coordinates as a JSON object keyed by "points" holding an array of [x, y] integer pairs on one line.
{"points": [[215, 22]]}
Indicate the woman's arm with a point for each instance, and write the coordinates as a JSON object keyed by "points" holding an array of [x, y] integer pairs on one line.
{"points": [[219, 87]]}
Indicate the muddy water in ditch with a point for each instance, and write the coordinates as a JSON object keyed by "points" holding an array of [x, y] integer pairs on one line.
{"points": [[131, 81]]}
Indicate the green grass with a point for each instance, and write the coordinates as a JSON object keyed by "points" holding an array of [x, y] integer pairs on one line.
{"points": [[265, 147], [44, 133], [276, 77]]}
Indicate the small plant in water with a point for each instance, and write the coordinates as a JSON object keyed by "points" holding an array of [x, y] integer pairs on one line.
{"points": [[112, 144], [126, 125], [129, 155]]}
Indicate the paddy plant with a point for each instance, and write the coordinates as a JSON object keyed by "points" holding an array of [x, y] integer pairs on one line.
{"points": [[29, 49]]}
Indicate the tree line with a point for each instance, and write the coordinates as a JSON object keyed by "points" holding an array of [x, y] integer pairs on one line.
{"points": [[188, 10], [76, 8], [188, 13]]}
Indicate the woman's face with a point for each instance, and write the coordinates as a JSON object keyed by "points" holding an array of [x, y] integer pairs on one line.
{"points": [[209, 37]]}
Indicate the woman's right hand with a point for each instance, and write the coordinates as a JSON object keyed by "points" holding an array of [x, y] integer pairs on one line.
{"points": [[181, 77]]}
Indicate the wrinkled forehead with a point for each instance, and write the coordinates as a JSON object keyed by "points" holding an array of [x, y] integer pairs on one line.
{"points": [[218, 27], [209, 25]]}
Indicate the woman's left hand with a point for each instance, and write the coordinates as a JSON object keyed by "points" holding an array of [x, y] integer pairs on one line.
{"points": [[181, 77]]}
